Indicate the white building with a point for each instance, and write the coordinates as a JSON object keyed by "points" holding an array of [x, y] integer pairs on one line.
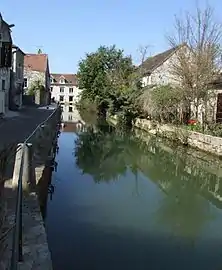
{"points": [[5, 63], [64, 90]]}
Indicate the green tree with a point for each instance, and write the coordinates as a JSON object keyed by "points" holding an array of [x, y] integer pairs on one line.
{"points": [[108, 79], [36, 86], [162, 103]]}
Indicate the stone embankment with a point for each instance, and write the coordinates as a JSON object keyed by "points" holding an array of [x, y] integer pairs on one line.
{"points": [[204, 142], [198, 140], [41, 150]]}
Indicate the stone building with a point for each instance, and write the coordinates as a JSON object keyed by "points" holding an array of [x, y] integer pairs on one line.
{"points": [[5, 63], [156, 70], [36, 74], [16, 78], [64, 89]]}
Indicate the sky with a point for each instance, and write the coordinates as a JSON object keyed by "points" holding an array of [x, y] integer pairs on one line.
{"points": [[66, 30]]}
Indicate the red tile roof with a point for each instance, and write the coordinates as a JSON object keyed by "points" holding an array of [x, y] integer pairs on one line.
{"points": [[36, 62], [70, 79]]}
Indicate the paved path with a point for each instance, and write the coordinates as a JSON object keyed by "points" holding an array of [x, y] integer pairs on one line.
{"points": [[18, 128]]}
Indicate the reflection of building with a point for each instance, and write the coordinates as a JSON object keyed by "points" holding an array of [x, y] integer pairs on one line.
{"points": [[64, 89], [68, 116], [73, 127]]}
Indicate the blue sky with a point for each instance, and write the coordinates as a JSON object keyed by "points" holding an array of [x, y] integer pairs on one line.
{"points": [[67, 29]]}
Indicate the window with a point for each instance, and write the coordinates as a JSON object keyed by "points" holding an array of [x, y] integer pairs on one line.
{"points": [[52, 80], [61, 89], [25, 82], [61, 98], [51, 88], [70, 117], [6, 54], [70, 90], [71, 99], [3, 85], [62, 81], [70, 109]]}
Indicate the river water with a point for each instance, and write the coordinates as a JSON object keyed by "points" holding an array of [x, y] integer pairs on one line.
{"points": [[124, 200]]}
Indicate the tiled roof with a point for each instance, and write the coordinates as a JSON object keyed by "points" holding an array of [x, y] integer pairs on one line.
{"points": [[155, 61], [69, 78], [36, 62]]}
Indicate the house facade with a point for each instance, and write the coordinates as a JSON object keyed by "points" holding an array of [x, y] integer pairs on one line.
{"points": [[16, 78], [5, 63], [64, 89], [156, 70], [36, 73]]}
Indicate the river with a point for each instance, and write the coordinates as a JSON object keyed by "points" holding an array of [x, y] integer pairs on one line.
{"points": [[125, 200]]}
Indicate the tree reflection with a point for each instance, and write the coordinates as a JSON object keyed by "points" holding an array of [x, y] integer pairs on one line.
{"points": [[106, 154], [103, 154]]}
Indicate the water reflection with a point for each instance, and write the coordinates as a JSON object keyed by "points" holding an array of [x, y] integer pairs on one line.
{"points": [[107, 156], [128, 198]]}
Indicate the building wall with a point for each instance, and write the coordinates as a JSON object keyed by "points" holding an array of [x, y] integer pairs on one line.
{"points": [[4, 76], [32, 77], [162, 74], [16, 88], [55, 93], [4, 72]]}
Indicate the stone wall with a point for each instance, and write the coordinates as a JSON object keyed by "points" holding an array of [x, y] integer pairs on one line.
{"points": [[36, 254], [198, 140]]}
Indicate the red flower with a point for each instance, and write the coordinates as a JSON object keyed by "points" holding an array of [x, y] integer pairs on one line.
{"points": [[192, 122]]}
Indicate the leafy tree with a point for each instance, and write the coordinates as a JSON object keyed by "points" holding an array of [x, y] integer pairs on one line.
{"points": [[162, 102], [36, 86], [108, 79], [198, 63]]}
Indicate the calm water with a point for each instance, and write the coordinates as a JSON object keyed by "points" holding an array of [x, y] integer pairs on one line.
{"points": [[124, 203]]}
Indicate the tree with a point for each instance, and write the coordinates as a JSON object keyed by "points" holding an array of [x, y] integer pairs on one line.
{"points": [[199, 58], [108, 78], [162, 102], [36, 86]]}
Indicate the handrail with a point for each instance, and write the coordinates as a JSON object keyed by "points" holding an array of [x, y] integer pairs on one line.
{"points": [[17, 254]]}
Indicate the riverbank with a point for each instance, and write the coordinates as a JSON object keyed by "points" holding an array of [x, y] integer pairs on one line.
{"points": [[204, 142], [35, 246]]}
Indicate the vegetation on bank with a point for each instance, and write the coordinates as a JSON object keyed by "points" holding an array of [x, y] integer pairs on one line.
{"points": [[112, 84]]}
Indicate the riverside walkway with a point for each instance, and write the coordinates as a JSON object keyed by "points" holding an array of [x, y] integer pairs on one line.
{"points": [[15, 128]]}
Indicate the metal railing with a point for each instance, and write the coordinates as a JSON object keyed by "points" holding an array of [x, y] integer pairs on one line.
{"points": [[17, 227]]}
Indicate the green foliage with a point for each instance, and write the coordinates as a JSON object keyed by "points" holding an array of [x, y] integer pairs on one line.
{"points": [[214, 129], [108, 79], [36, 86], [162, 102]]}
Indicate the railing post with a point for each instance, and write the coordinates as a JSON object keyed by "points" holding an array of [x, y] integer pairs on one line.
{"points": [[28, 180], [17, 166]]}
